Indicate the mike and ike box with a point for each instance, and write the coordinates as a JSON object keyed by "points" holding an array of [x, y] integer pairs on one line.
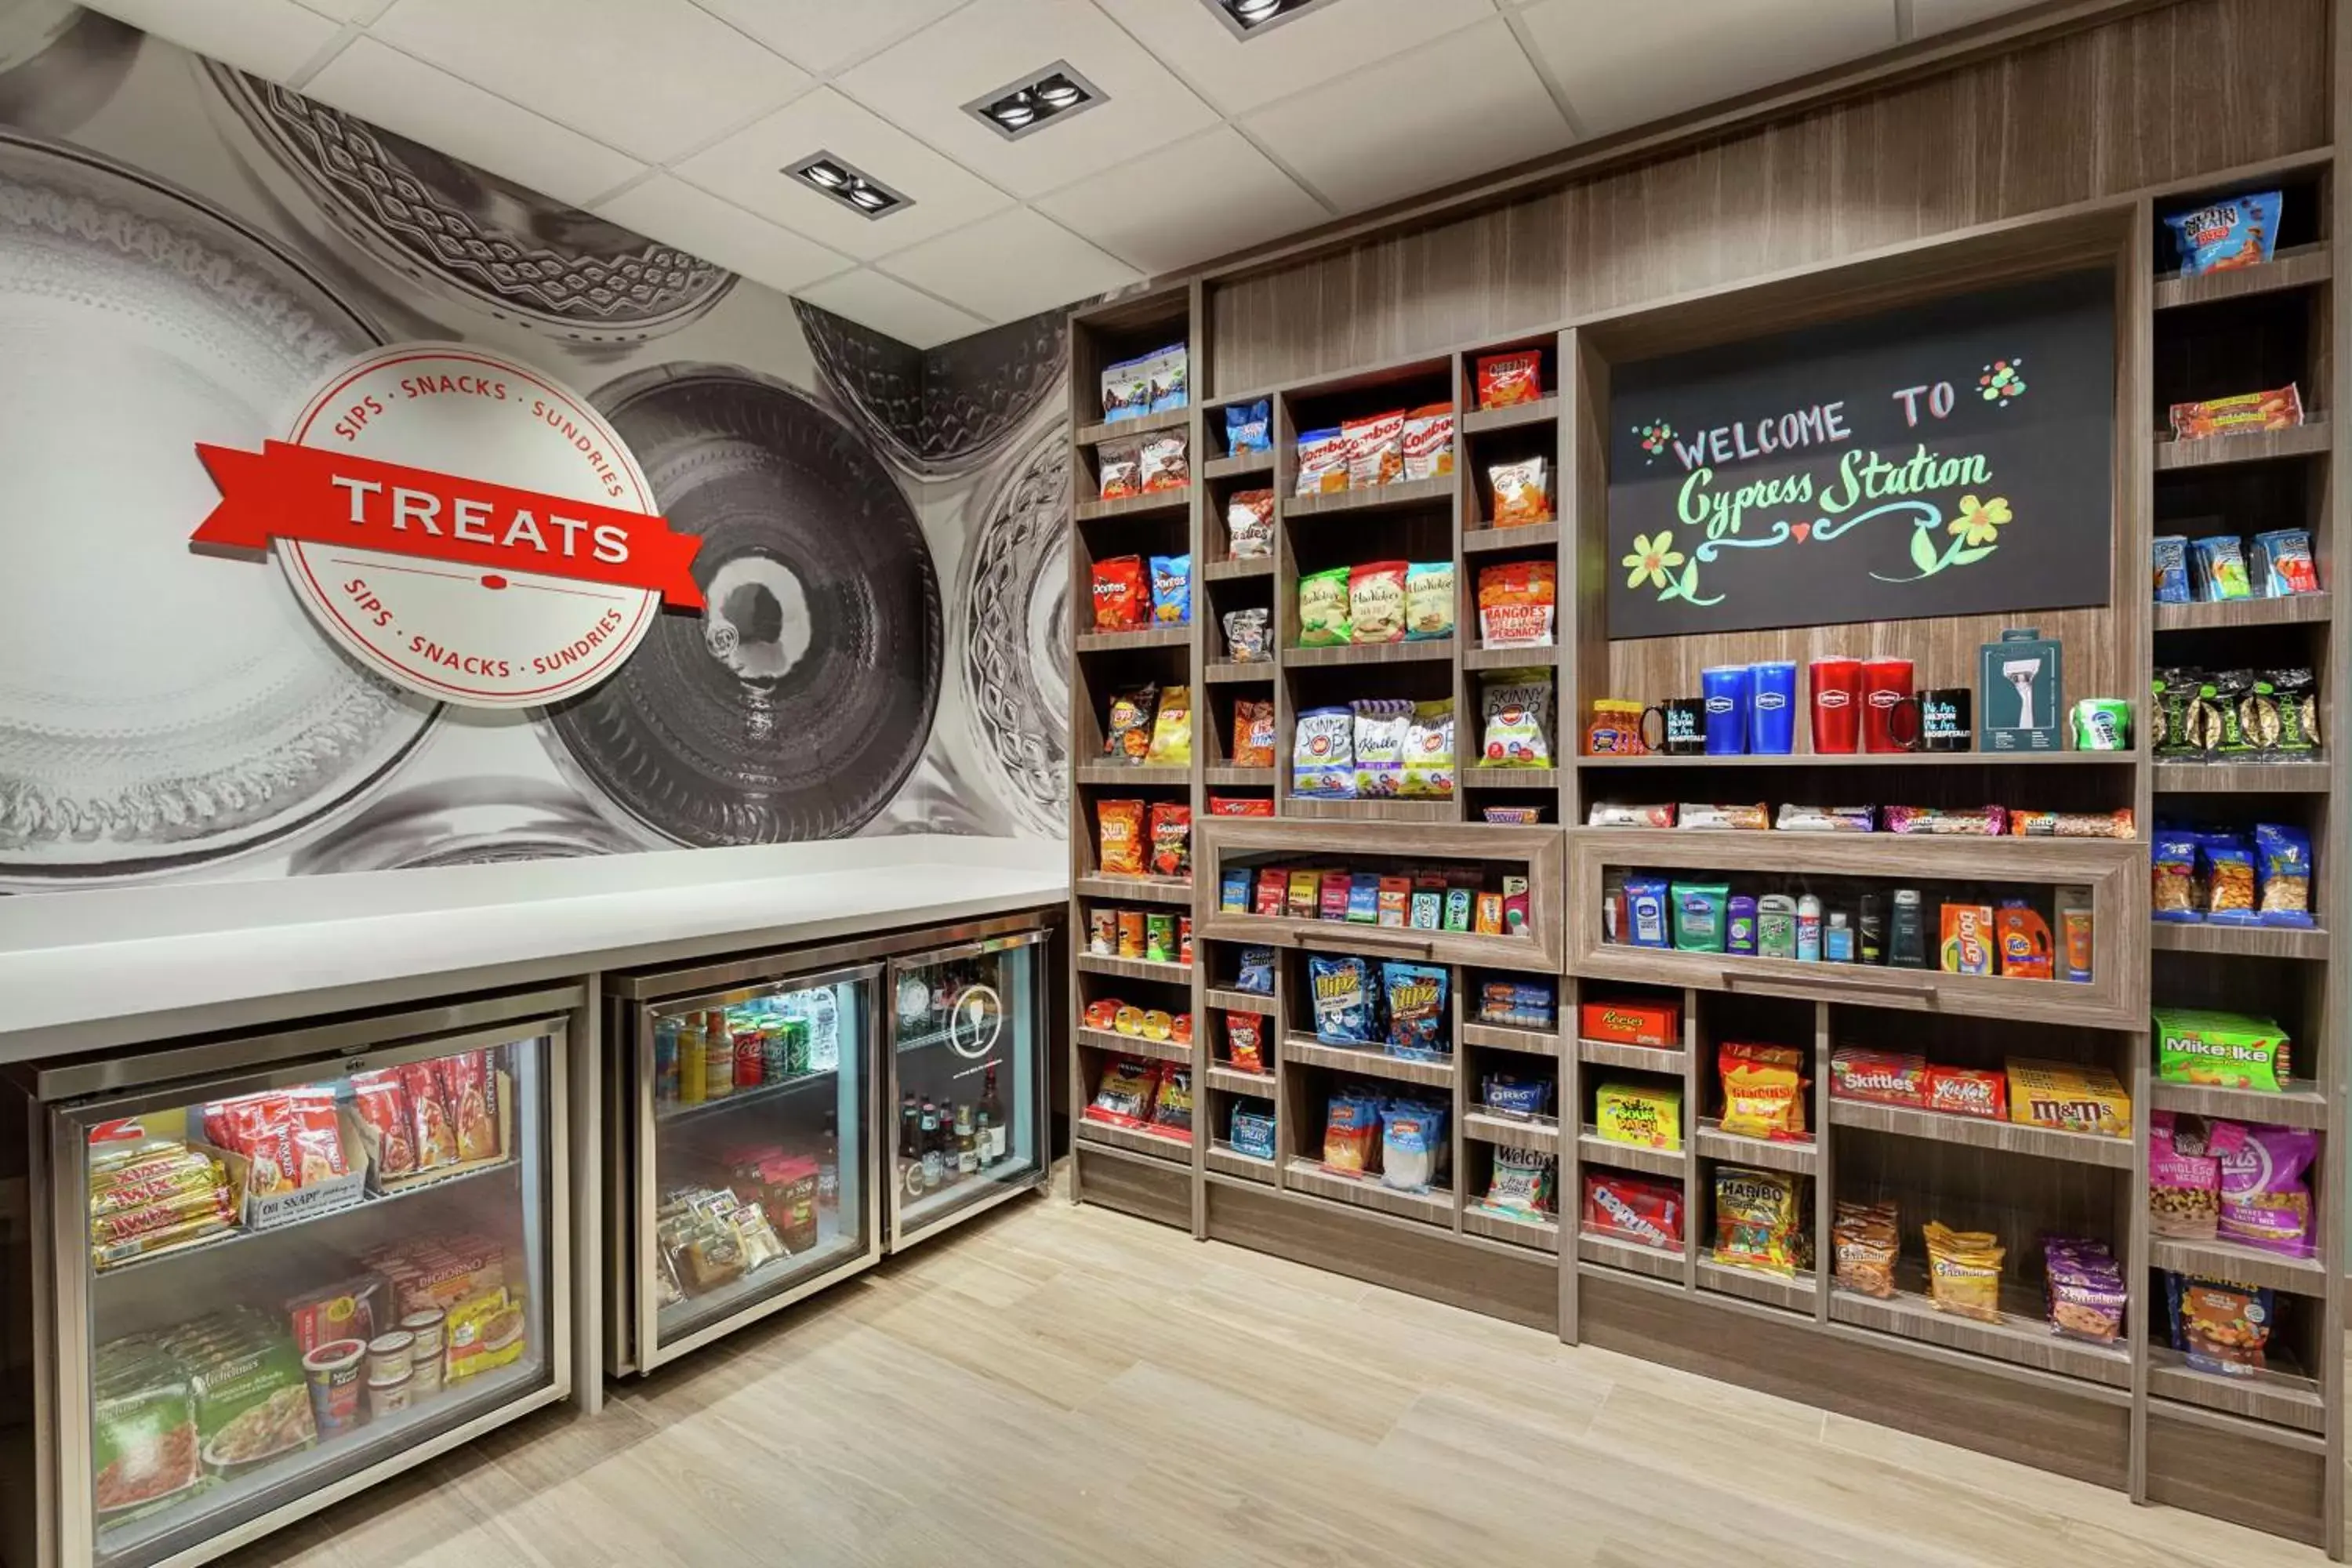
{"points": [[1634, 1021]]}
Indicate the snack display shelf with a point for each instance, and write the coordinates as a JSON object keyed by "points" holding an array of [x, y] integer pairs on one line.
{"points": [[2240, 778], [1230, 1001], [1511, 1038], [1396, 496], [1146, 637], [1372, 1061], [1790, 1292], [1435, 650], [2289, 609], [1535, 411], [1921, 990], [1135, 1045], [1613, 1252], [1540, 1134], [1161, 774], [2301, 1104], [1639, 1059], [833, 1246], [1527, 536], [2290, 266], [2309, 438], [1169, 500], [2243, 941], [1595, 1150], [1150, 889], [2280, 1393], [1140, 425], [1540, 1233], [1384, 809], [1710, 1139], [1259, 778], [1135, 968], [1509, 953], [1135, 1141], [1310, 1178], [1233, 1080], [783, 1088], [1226, 1160], [1512, 659], [1858, 760], [1510, 778], [1238, 567], [1223, 672], [1982, 1132], [1238, 465], [2246, 1265], [2023, 1337]]}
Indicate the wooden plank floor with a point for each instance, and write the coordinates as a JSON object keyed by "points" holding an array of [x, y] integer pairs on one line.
{"points": [[1057, 1385]]}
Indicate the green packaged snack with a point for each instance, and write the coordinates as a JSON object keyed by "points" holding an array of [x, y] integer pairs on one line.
{"points": [[1699, 915], [1323, 610], [2222, 1050]]}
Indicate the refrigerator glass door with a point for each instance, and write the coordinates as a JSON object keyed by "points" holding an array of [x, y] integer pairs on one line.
{"points": [[751, 1185], [968, 1074], [295, 1275]]}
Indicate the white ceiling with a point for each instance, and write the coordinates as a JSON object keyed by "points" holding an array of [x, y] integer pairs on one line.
{"points": [[677, 116]]}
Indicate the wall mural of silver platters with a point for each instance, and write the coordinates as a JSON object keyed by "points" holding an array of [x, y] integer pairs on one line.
{"points": [[59, 64], [477, 821], [797, 704], [942, 412], [462, 234], [158, 708], [1016, 605]]}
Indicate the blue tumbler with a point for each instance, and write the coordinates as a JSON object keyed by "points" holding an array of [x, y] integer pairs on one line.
{"points": [[1772, 709], [1726, 687]]}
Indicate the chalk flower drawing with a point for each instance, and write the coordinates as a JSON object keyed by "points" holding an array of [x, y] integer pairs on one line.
{"points": [[2002, 382], [1652, 558], [1979, 520], [1654, 436]]}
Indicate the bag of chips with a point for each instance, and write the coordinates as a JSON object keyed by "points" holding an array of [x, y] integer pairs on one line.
{"points": [[2227, 869], [2220, 1326], [1343, 999], [1322, 462], [1171, 730], [1250, 1128], [1414, 1146], [1123, 1095], [1375, 449], [1516, 602], [2265, 1202], [1245, 1041], [1249, 524], [1252, 734], [1171, 1102], [1121, 600], [1762, 1090], [1376, 602], [1506, 379], [1415, 993], [1171, 839], [1249, 427], [2282, 871], [1171, 590], [1323, 608], [1429, 752], [1429, 442], [1759, 1222], [1517, 708], [1249, 635], [1119, 826], [1964, 1272], [1429, 601], [2173, 894], [1381, 724], [2223, 235], [1127, 736], [1351, 1134], [1164, 461], [1120, 468], [1254, 972], [1521, 492], [1323, 753]]}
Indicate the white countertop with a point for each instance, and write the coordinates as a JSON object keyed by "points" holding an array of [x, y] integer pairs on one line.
{"points": [[88, 970]]}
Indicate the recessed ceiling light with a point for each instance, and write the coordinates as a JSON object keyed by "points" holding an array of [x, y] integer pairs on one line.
{"points": [[846, 183], [1247, 19], [1018, 108]]}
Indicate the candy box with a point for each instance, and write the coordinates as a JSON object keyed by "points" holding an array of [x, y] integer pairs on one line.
{"points": [[1646, 1212], [1649, 1115], [1636, 1021], [2068, 1099], [1888, 1078], [2222, 1050], [1965, 1091]]}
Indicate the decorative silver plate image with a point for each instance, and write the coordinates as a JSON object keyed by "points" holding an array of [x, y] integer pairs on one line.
{"points": [[157, 707], [940, 411], [1016, 605], [797, 704], [474, 821], [463, 234], [59, 64]]}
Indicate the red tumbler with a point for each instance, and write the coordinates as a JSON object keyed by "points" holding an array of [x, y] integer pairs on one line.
{"points": [[1837, 703], [1890, 720]]}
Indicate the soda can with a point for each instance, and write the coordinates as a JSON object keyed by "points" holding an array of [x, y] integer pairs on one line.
{"points": [[2102, 724]]}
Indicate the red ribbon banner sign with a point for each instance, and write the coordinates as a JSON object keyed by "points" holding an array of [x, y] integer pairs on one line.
{"points": [[286, 491]]}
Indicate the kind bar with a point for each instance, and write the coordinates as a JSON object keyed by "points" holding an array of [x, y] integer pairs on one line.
{"points": [[2222, 1050], [2280, 409], [2068, 1099], [1887, 1077]]}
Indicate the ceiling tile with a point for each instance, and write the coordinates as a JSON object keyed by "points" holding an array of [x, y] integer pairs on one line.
{"points": [[1238, 75], [273, 38], [923, 84], [1411, 124], [672, 211], [381, 85], [747, 169], [887, 305], [1693, 52], [360, 11], [1012, 265], [1201, 198], [654, 78], [1931, 16], [823, 35]]}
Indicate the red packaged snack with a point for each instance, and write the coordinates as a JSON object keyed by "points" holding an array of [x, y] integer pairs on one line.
{"points": [[428, 1118], [354, 1309], [1506, 379], [1634, 1021], [2280, 409], [1375, 449], [1245, 1041], [465, 1090], [316, 1133], [1965, 1092], [1272, 887], [1118, 831], [1646, 1212], [1239, 805], [1122, 601], [260, 1127], [383, 1106], [1890, 1078], [1171, 839], [1332, 895]]}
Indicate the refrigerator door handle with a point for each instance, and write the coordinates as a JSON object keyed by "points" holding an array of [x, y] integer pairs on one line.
{"points": [[969, 950]]}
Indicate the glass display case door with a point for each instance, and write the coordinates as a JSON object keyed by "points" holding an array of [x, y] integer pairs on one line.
{"points": [[756, 1115], [966, 1090]]}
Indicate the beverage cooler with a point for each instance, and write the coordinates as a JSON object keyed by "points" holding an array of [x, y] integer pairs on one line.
{"points": [[276, 1270], [752, 1156]]}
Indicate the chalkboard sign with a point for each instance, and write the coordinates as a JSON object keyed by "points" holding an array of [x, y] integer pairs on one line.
{"points": [[1952, 458]]}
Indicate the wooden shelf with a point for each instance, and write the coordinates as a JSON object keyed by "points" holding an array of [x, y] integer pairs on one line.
{"points": [[2295, 609], [1240, 465], [1400, 495], [2240, 778], [2023, 1337], [1510, 658], [1233, 1081], [1175, 1150], [1162, 774], [1225, 671], [1979, 1132], [1713, 1142], [1657, 1262], [1141, 424], [1150, 889], [1230, 1001], [1525, 536], [2300, 1106], [1509, 778], [1876, 985], [1305, 1050], [1148, 636], [1793, 1293], [1239, 777], [2297, 267], [1517, 953], [2249, 1264], [1594, 1150], [1511, 1038], [1511, 1132], [1304, 1176], [2242, 941], [1246, 566], [1151, 503], [1478, 421], [1223, 1158], [1134, 1045], [1135, 968], [1859, 760], [2279, 1393], [1638, 1059], [1539, 1235], [1408, 652], [2304, 440], [1388, 808]]}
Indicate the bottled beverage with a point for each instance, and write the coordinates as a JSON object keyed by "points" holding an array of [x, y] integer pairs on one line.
{"points": [[692, 1079], [934, 1174], [910, 1148], [967, 1143], [992, 1120], [828, 1164], [718, 1056], [1809, 929], [666, 1061]]}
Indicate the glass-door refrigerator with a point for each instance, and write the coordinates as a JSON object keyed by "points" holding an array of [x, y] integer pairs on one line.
{"points": [[285, 1267], [742, 1112], [968, 1080]]}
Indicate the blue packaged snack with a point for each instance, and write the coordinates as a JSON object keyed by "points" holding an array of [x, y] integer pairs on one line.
{"points": [[2220, 237], [1167, 373], [2172, 569], [1323, 753], [1412, 1144], [1249, 427], [2173, 892], [2226, 863], [1171, 590], [1416, 994], [1364, 898], [1251, 1128], [1648, 913], [1509, 1095], [2282, 871], [2218, 569], [2282, 563], [1233, 891], [1256, 976], [1343, 1000]]}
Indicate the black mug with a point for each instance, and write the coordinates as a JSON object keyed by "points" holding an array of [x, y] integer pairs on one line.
{"points": [[1682, 726], [1943, 720]]}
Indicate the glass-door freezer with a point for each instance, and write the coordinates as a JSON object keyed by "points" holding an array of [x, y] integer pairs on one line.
{"points": [[286, 1266]]}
